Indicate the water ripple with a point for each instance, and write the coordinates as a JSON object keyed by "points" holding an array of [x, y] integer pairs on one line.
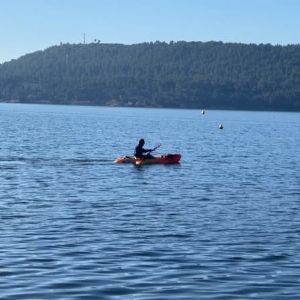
{"points": [[221, 225]]}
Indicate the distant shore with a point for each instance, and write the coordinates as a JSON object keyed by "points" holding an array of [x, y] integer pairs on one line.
{"points": [[192, 75]]}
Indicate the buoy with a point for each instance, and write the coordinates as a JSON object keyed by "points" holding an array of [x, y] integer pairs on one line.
{"points": [[221, 126]]}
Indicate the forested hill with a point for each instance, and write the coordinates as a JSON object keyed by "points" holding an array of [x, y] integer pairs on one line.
{"points": [[211, 75]]}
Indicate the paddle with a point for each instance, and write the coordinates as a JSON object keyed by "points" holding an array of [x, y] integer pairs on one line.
{"points": [[156, 147]]}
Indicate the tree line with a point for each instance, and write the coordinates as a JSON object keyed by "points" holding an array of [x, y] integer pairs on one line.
{"points": [[210, 75]]}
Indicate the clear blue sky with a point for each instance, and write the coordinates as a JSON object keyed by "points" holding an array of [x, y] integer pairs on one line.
{"points": [[30, 25]]}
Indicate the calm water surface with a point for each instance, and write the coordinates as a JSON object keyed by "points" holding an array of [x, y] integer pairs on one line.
{"points": [[224, 224]]}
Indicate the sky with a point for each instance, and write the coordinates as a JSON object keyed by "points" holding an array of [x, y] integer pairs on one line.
{"points": [[31, 25]]}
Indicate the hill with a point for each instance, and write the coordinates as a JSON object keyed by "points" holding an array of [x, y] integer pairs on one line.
{"points": [[211, 75]]}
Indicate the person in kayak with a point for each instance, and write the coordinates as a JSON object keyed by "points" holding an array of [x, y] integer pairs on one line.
{"points": [[139, 150]]}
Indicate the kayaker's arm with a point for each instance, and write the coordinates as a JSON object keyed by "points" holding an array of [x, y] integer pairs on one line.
{"points": [[147, 150]]}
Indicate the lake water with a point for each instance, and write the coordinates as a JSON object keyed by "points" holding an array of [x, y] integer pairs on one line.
{"points": [[223, 224]]}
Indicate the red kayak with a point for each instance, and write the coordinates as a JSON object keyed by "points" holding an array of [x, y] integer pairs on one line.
{"points": [[162, 159]]}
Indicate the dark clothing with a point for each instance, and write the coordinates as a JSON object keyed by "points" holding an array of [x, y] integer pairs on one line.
{"points": [[139, 152]]}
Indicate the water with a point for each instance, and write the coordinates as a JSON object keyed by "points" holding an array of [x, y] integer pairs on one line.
{"points": [[224, 224]]}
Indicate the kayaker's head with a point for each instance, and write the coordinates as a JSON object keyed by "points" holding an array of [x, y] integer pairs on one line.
{"points": [[141, 142]]}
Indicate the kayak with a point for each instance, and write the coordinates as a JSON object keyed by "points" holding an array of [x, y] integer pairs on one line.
{"points": [[162, 159]]}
